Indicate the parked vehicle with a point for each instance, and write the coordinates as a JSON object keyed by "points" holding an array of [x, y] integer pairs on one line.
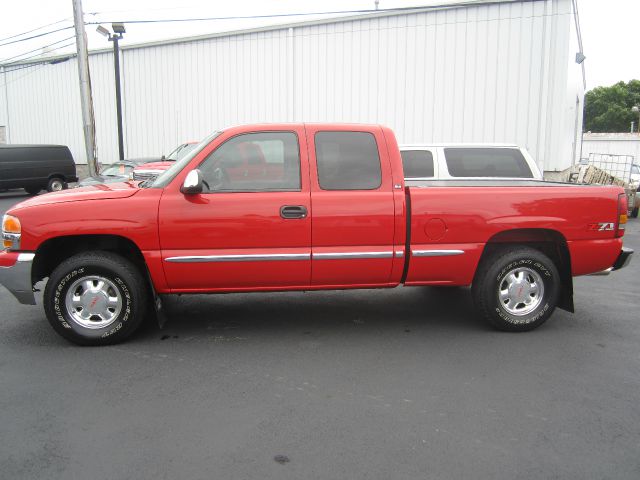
{"points": [[36, 167], [327, 207], [468, 161], [152, 170], [114, 172]]}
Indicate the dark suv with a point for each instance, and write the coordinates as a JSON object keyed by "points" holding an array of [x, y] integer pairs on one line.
{"points": [[36, 167]]}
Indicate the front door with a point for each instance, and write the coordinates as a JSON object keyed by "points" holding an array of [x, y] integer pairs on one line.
{"points": [[251, 227]]}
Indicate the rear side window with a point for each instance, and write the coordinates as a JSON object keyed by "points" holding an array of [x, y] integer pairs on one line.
{"points": [[348, 161], [417, 163], [486, 162]]}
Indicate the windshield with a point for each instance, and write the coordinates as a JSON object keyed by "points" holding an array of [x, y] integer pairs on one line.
{"points": [[116, 170], [181, 151], [165, 177]]}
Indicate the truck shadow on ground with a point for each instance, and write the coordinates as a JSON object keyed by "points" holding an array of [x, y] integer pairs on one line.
{"points": [[329, 312]]}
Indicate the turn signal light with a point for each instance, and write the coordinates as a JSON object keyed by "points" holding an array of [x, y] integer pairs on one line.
{"points": [[11, 224], [11, 229]]}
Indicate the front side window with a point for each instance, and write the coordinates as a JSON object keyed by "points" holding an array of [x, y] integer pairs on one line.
{"points": [[417, 163], [265, 161], [347, 161], [487, 162]]}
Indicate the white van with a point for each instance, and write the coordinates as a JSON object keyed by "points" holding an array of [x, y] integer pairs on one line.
{"points": [[467, 161]]}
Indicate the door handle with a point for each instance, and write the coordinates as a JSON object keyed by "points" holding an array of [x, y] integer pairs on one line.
{"points": [[293, 211]]}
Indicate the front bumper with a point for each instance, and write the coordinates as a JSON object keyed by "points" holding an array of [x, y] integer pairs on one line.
{"points": [[623, 259], [15, 275]]}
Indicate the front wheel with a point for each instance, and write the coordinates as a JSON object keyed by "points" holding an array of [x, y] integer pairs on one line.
{"points": [[516, 289], [96, 298]]}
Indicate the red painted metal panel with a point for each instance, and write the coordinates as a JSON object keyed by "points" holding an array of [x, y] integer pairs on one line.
{"points": [[229, 223], [589, 256], [345, 220], [472, 216]]}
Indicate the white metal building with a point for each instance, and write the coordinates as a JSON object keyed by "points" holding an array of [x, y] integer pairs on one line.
{"points": [[612, 144], [482, 71]]}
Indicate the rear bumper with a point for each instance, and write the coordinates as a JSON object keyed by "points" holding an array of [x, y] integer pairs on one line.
{"points": [[15, 275], [623, 259]]}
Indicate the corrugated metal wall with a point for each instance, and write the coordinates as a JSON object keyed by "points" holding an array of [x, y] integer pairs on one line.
{"points": [[485, 73], [613, 144]]}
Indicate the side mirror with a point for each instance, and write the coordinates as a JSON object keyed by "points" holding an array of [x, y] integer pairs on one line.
{"points": [[192, 183]]}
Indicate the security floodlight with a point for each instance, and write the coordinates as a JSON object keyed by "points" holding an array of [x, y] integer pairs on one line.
{"points": [[103, 31], [118, 28], [580, 58]]}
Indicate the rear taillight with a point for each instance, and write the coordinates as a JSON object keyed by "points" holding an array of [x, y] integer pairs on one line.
{"points": [[622, 215]]}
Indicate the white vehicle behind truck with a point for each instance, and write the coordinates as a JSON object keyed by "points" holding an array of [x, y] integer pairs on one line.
{"points": [[468, 161]]}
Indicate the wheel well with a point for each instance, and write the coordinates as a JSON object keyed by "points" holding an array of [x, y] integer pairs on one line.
{"points": [[550, 242], [54, 251]]}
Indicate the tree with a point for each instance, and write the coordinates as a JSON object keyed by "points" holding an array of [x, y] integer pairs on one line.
{"points": [[608, 109]]}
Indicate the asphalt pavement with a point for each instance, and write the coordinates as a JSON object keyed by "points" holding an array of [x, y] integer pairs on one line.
{"points": [[375, 384]]}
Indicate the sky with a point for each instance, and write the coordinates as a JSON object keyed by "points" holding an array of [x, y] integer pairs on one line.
{"points": [[610, 29]]}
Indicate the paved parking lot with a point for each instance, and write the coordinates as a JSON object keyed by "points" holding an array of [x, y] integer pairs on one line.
{"points": [[392, 384]]}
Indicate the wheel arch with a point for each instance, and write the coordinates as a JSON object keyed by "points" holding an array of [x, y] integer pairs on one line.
{"points": [[548, 241], [55, 250]]}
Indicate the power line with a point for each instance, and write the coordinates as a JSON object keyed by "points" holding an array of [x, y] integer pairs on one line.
{"points": [[36, 36], [2, 62], [22, 76], [35, 29], [53, 61], [245, 17]]}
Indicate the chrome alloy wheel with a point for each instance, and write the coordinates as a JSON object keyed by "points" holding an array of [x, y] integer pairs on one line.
{"points": [[521, 291], [57, 186], [93, 302]]}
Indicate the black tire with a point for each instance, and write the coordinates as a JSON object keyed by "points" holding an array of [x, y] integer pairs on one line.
{"points": [[634, 213], [124, 282], [32, 190], [56, 184], [510, 312]]}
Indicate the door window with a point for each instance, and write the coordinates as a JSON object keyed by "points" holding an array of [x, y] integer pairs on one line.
{"points": [[265, 161], [347, 161]]}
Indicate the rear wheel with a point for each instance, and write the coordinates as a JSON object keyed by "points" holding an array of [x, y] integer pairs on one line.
{"points": [[56, 184], [516, 289], [96, 298]]}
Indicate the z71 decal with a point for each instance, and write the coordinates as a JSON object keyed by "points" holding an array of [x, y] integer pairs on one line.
{"points": [[602, 227]]}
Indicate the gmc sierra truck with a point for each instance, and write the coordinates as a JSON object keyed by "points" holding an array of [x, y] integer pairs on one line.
{"points": [[305, 207]]}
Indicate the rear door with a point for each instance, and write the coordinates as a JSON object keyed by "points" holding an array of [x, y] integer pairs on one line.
{"points": [[353, 206]]}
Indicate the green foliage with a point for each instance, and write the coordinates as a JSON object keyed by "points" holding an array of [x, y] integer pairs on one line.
{"points": [[608, 109]]}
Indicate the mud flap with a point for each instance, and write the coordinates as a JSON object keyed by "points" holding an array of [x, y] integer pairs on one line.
{"points": [[161, 318]]}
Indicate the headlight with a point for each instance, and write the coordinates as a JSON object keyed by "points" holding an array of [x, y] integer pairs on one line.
{"points": [[11, 232]]}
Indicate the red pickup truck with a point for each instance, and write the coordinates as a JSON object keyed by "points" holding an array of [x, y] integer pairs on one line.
{"points": [[305, 207]]}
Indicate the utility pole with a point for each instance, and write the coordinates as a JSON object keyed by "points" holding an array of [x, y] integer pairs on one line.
{"points": [[88, 121]]}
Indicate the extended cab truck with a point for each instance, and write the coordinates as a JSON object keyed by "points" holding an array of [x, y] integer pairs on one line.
{"points": [[328, 209]]}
